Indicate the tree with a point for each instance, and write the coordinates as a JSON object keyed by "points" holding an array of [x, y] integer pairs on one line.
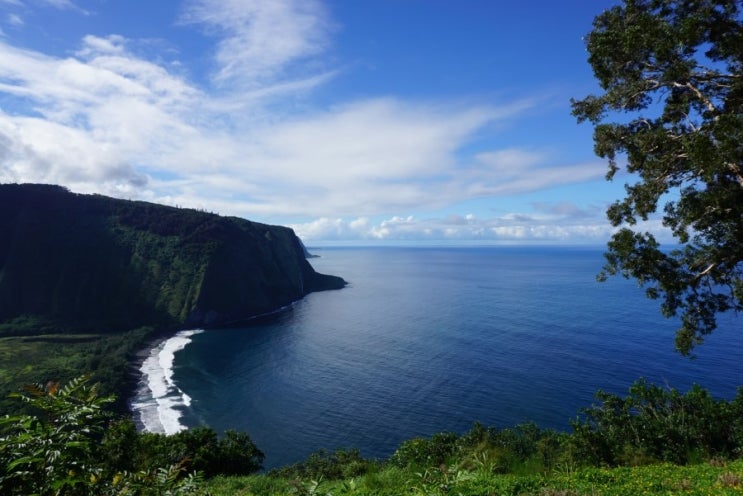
{"points": [[653, 424], [672, 76]]}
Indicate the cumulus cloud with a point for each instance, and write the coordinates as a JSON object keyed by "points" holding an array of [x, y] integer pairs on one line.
{"points": [[93, 118], [509, 228]]}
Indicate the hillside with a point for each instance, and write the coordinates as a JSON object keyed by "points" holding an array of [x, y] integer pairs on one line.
{"points": [[87, 281], [93, 263]]}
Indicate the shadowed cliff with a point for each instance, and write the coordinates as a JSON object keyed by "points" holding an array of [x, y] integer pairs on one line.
{"points": [[93, 262]]}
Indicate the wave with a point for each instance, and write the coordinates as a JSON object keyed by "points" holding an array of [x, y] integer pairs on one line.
{"points": [[159, 403]]}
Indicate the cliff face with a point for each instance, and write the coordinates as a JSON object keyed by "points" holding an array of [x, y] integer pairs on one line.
{"points": [[93, 262]]}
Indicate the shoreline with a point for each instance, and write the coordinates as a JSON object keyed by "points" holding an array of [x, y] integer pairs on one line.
{"points": [[135, 372], [158, 340], [158, 404]]}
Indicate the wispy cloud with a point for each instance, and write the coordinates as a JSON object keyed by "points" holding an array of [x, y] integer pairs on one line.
{"points": [[14, 20], [512, 171], [91, 120], [18, 12], [64, 5], [258, 41], [106, 118]]}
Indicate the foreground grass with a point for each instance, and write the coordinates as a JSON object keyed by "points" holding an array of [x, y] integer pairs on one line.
{"points": [[662, 479]]}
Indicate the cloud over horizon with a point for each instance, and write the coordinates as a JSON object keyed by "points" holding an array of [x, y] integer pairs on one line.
{"points": [[511, 228]]}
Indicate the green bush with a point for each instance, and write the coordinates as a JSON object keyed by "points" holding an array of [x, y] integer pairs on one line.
{"points": [[656, 424], [57, 450], [524, 449], [326, 465], [69, 444], [424, 453], [54, 450], [198, 449]]}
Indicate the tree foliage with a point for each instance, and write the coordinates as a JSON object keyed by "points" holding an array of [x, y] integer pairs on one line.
{"points": [[671, 72], [57, 451], [70, 444], [52, 452], [232, 454]]}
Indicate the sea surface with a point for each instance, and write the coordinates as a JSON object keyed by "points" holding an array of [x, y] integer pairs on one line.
{"points": [[425, 340]]}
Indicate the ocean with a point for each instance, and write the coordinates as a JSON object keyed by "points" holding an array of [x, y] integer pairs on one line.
{"points": [[425, 340]]}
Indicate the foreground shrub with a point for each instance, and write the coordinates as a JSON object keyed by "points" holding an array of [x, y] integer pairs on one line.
{"points": [[57, 449], [52, 451], [323, 464], [525, 449], [199, 449], [656, 424], [69, 445], [425, 452]]}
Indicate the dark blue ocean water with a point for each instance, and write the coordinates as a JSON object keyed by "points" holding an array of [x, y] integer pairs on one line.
{"points": [[425, 340]]}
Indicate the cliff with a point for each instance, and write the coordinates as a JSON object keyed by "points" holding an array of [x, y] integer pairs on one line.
{"points": [[89, 262]]}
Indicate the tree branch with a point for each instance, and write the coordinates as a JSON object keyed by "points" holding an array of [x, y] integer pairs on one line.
{"points": [[706, 101]]}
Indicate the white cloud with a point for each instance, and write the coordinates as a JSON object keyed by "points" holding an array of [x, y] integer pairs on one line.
{"points": [[367, 157], [468, 229], [55, 4], [92, 121], [95, 45], [374, 140], [64, 5], [512, 171], [23, 9], [458, 229], [105, 120], [259, 40], [509, 162]]}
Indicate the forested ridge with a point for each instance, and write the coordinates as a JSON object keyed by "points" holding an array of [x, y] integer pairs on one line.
{"points": [[86, 280], [90, 262]]}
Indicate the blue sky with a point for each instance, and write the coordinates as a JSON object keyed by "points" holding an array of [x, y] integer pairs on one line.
{"points": [[352, 121]]}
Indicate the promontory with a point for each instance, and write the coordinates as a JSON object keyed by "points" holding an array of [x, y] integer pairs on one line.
{"points": [[94, 263]]}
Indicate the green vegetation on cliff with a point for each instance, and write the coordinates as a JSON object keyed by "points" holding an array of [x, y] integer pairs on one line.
{"points": [[86, 280], [88, 262]]}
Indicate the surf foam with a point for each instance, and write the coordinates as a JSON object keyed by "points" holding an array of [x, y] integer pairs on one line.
{"points": [[159, 402]]}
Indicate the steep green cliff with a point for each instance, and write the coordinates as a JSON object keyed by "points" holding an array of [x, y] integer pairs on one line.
{"points": [[89, 262]]}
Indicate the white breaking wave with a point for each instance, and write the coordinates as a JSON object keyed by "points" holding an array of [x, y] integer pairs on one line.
{"points": [[159, 402]]}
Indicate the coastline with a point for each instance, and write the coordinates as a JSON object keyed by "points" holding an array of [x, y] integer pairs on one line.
{"points": [[158, 403], [135, 372], [152, 367]]}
